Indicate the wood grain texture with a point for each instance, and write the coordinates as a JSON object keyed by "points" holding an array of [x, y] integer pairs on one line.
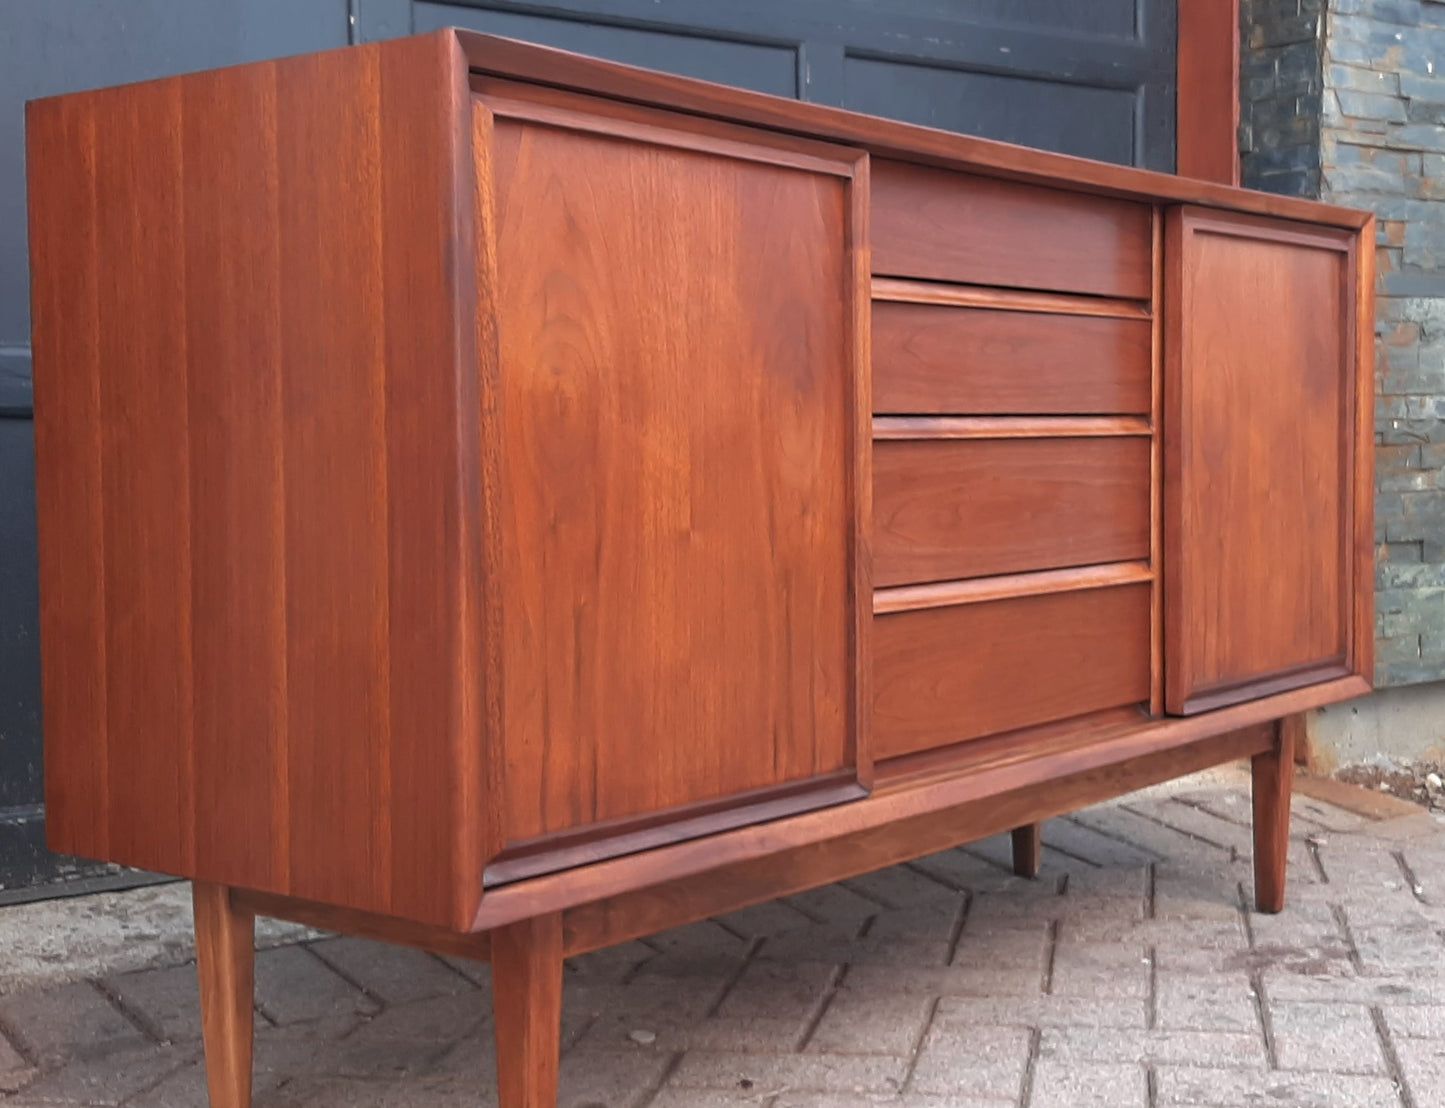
{"points": [[1156, 473], [365, 925], [965, 772], [1009, 427], [1272, 775], [968, 361], [954, 227], [1012, 794], [259, 567], [1360, 516], [226, 966], [492, 58], [1028, 847], [1207, 127], [979, 590], [1260, 460], [678, 393], [527, 1002], [65, 325], [1048, 657], [948, 510]]}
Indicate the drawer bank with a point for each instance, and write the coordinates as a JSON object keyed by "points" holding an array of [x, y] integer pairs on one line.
{"points": [[507, 503]]}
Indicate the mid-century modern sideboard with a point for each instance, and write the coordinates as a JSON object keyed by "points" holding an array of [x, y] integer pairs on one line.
{"points": [[508, 503]]}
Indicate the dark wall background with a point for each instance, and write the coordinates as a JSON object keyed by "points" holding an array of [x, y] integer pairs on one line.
{"points": [[1088, 77]]}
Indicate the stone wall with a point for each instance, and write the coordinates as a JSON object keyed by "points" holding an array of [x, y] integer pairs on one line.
{"points": [[1281, 81], [1345, 100]]}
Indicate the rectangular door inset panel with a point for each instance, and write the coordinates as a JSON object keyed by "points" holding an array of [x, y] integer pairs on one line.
{"points": [[1260, 408], [931, 359], [942, 675], [944, 510], [946, 226], [677, 361]]}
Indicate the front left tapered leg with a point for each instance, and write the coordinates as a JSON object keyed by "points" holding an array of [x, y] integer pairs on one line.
{"points": [[1273, 781], [226, 966], [527, 1002]]}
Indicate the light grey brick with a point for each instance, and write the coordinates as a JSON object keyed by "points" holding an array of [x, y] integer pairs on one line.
{"points": [[1217, 1002], [395, 974], [69, 1022], [15, 1071], [1334, 1038], [1226, 1049], [169, 1000], [1088, 1085], [966, 1059], [292, 985], [871, 1023], [1214, 1088], [1092, 969], [779, 990], [1423, 1064], [1042, 1011], [763, 1074], [109, 1079], [1415, 1021]]}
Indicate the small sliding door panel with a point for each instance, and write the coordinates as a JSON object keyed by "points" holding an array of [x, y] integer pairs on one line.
{"points": [[1260, 451]]}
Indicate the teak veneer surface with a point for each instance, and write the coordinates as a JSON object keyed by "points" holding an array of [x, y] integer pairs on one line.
{"points": [[977, 230], [460, 510], [677, 396], [482, 472], [1046, 657], [963, 361], [259, 475], [1261, 505], [953, 509]]}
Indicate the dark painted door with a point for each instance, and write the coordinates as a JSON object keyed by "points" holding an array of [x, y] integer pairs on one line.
{"points": [[1089, 77]]}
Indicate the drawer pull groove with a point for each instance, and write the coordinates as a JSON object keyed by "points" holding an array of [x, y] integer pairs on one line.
{"points": [[1009, 427], [1008, 300], [946, 594]]}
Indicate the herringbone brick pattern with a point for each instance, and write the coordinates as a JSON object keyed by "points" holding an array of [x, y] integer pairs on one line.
{"points": [[1133, 972]]}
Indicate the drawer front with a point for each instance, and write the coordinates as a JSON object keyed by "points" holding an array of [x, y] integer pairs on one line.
{"points": [[945, 226], [943, 675], [930, 359], [948, 510]]}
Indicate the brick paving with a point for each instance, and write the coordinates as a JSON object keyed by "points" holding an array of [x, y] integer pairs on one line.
{"points": [[1133, 972]]}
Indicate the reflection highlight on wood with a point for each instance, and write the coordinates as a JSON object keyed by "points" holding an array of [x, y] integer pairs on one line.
{"points": [[1008, 427], [943, 594]]}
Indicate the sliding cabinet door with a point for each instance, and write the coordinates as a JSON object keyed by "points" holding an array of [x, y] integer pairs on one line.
{"points": [[1267, 467]]}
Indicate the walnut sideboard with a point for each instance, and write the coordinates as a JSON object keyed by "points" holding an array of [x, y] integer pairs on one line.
{"points": [[508, 503]]}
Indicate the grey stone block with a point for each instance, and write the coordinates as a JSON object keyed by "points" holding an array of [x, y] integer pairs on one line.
{"points": [[1366, 105], [70, 1022]]}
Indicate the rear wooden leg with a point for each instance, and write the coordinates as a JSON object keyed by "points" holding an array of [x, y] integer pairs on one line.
{"points": [[1028, 849], [1273, 779], [527, 1001], [226, 963]]}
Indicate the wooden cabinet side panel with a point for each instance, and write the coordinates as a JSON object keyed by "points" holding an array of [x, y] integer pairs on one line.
{"points": [[678, 404], [1260, 495], [253, 445]]}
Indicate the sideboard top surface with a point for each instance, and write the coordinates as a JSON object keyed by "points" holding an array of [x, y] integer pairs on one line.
{"points": [[491, 55]]}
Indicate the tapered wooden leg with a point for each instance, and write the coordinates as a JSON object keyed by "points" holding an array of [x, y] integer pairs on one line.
{"points": [[1028, 849], [527, 1001], [1273, 773], [226, 963]]}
